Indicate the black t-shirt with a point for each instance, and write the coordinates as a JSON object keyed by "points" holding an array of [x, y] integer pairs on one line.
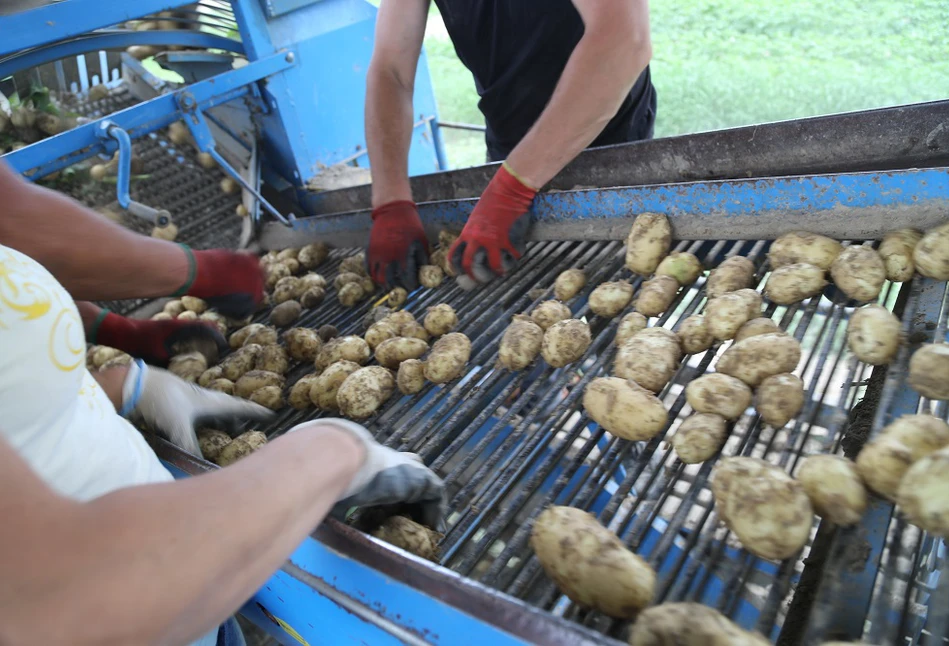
{"points": [[516, 50]]}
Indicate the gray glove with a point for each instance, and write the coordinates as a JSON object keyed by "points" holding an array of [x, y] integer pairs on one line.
{"points": [[389, 477], [171, 406]]}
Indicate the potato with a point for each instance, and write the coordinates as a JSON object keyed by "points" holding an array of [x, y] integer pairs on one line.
{"points": [[241, 361], [569, 283], [311, 280], [216, 320], [882, 463], [897, 253], [188, 366], [286, 313], [377, 315], [240, 447], [447, 238], [734, 273], [682, 266], [929, 371], [656, 295], [834, 488], [379, 332], [766, 509], [364, 391], [410, 536], [440, 320], [859, 272], [103, 354], [397, 297], [609, 299], [628, 327], [287, 288], [874, 334], [269, 397], [273, 358], [439, 258], [237, 339], [350, 294], [343, 348], [274, 273], [211, 442], [225, 386], [303, 344], [921, 434], [922, 493], [254, 380], [346, 278], [288, 253], [194, 304], [931, 254], [299, 397], [312, 297], [263, 335], [699, 437], [624, 408], [355, 264], [162, 316], [694, 335], [313, 255], [187, 316], [325, 387], [414, 330], [448, 358], [521, 343], [174, 308], [549, 312], [430, 276], [649, 358], [758, 357], [756, 326], [168, 232], [793, 283], [565, 342], [779, 399], [209, 375], [327, 332], [400, 318], [392, 352], [590, 564], [719, 394], [804, 247], [725, 314], [411, 376], [648, 243], [689, 624]]}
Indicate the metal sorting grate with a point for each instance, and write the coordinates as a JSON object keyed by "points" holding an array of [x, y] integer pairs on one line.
{"points": [[509, 444]]}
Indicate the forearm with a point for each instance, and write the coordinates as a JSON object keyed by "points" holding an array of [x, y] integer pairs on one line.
{"points": [[593, 85], [192, 551], [93, 258], [388, 136]]}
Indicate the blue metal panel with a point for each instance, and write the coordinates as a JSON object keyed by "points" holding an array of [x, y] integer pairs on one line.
{"points": [[276, 8]]}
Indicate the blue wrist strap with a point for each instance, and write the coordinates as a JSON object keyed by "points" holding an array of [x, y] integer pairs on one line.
{"points": [[129, 404]]}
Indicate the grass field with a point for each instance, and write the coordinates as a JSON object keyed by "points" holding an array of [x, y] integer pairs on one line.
{"points": [[723, 63]]}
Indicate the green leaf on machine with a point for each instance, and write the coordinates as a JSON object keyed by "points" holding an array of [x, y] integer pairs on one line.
{"points": [[39, 95]]}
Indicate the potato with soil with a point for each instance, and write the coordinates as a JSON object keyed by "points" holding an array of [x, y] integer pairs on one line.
{"points": [[804, 247], [343, 348], [649, 359], [393, 352], [883, 462], [237, 339], [859, 272], [923, 495], [793, 283], [313, 255], [549, 312], [264, 335], [897, 250], [931, 254], [758, 357], [565, 342], [682, 266], [779, 399], [629, 326], [411, 377], [609, 299], [312, 297], [719, 394], [379, 332], [430, 276], [874, 334], [225, 386], [569, 283], [188, 366], [288, 288], [104, 354], [732, 274], [364, 391], [834, 487], [194, 304], [346, 278], [448, 358], [299, 396], [766, 508], [325, 387], [209, 375], [414, 330], [273, 358], [311, 280], [694, 335], [240, 447], [624, 408], [410, 536], [397, 297], [240, 362], [648, 243], [274, 273], [211, 442], [656, 295], [689, 624], [699, 438], [440, 320], [590, 564], [355, 264], [725, 314], [521, 343], [255, 380], [303, 344], [756, 326], [350, 294], [269, 397], [286, 313], [187, 316], [400, 318], [929, 371]]}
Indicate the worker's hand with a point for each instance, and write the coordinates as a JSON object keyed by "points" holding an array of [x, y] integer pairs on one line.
{"points": [[172, 406], [231, 282], [397, 245], [388, 477], [494, 237], [155, 341]]}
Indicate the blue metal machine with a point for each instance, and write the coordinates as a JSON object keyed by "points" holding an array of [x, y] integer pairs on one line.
{"points": [[273, 91]]}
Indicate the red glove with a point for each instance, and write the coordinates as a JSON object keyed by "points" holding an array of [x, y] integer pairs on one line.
{"points": [[156, 341], [231, 282], [398, 245], [494, 236]]}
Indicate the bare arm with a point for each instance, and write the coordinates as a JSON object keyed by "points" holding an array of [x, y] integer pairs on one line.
{"points": [[93, 258], [390, 83], [168, 562], [613, 52]]}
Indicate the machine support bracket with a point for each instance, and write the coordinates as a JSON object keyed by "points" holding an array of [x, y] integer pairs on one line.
{"points": [[111, 135]]}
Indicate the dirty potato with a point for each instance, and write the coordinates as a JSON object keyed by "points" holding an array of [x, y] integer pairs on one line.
{"points": [[569, 283], [834, 487], [264, 335], [350, 294], [758, 357], [414, 330], [931, 254], [222, 385], [392, 352], [793, 283], [274, 273], [104, 354], [682, 266], [859, 272], [343, 348], [565, 342], [923, 491], [273, 358], [411, 377], [884, 460], [355, 264], [209, 375], [311, 280], [656, 295], [440, 320], [874, 334], [410, 536], [240, 362], [609, 299], [779, 399], [689, 624], [379, 332], [174, 308], [756, 326], [719, 394], [699, 437], [897, 253], [325, 387], [286, 313], [240, 447], [237, 339], [549, 312], [590, 564], [648, 243], [303, 344], [725, 314], [649, 358], [448, 358], [364, 391], [732, 274], [299, 396], [194, 304], [188, 366], [430, 276], [804, 247], [624, 408], [521, 343], [694, 335], [313, 255], [628, 327], [293, 285], [929, 371], [187, 316], [254, 380], [397, 297], [269, 397], [211, 442], [312, 297]]}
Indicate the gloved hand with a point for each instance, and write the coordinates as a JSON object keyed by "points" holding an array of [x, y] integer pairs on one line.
{"points": [[389, 477], [494, 236], [397, 245], [231, 282], [172, 406], [155, 341]]}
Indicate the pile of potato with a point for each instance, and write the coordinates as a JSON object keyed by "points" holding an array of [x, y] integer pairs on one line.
{"points": [[102, 357], [218, 447]]}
